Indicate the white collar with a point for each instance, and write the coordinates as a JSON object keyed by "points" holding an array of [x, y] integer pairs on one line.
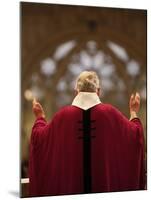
{"points": [[86, 100]]}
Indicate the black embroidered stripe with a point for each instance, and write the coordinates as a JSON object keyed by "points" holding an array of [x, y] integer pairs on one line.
{"points": [[85, 133], [87, 151]]}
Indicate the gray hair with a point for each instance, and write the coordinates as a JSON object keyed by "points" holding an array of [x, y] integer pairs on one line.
{"points": [[87, 81]]}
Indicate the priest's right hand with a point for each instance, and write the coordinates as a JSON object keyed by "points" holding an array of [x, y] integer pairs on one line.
{"points": [[38, 109]]}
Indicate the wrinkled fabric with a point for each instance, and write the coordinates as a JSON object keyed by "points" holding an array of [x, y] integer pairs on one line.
{"points": [[56, 153]]}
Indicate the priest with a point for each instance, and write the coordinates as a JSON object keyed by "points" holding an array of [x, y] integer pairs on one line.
{"points": [[88, 146]]}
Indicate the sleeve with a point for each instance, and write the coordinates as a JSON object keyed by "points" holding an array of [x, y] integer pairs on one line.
{"points": [[140, 137], [39, 135], [136, 124], [132, 129], [40, 131], [132, 137]]}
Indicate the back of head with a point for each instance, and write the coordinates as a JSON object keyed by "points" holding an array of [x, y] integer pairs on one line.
{"points": [[87, 81]]}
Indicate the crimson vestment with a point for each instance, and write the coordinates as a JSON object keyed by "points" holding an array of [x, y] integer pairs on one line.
{"points": [[86, 150]]}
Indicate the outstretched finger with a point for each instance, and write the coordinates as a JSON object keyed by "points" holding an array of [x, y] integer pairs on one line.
{"points": [[131, 98], [38, 106], [137, 97], [34, 101]]}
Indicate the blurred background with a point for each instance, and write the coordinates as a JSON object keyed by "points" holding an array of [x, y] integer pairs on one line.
{"points": [[60, 41]]}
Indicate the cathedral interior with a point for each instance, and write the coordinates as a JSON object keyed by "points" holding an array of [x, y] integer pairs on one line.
{"points": [[60, 41]]}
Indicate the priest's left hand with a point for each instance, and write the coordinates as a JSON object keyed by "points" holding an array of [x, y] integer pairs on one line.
{"points": [[134, 105], [38, 109]]}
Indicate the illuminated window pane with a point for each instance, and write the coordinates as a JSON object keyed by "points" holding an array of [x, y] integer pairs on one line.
{"points": [[107, 70], [133, 68], [119, 51], [48, 67], [64, 49]]}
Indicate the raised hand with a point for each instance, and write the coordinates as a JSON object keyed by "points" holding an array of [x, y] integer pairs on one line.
{"points": [[38, 109], [134, 105]]}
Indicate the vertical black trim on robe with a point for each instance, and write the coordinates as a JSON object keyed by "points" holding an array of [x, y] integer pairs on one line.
{"points": [[87, 151], [86, 137]]}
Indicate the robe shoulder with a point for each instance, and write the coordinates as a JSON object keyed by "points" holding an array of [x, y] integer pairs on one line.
{"points": [[56, 164], [106, 111], [107, 108]]}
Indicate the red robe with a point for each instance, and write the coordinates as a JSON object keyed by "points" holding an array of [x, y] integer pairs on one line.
{"points": [[98, 150]]}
